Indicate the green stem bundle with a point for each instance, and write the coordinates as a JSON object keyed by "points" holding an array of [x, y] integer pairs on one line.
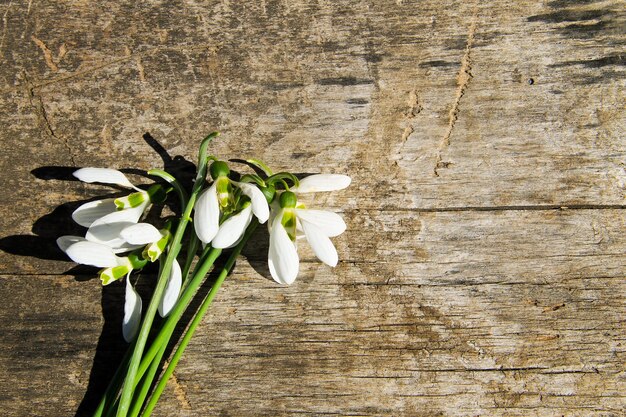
{"points": [[196, 321], [133, 391], [133, 367]]}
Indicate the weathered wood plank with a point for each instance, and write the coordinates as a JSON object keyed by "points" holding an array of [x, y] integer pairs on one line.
{"points": [[463, 289], [382, 93], [485, 316]]}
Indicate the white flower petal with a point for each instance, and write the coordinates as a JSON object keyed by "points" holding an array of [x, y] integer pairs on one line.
{"points": [[322, 182], [172, 290], [232, 245], [320, 243], [328, 222], [274, 210], [86, 214], [108, 229], [95, 254], [206, 219], [103, 175], [283, 258], [141, 234], [65, 242], [109, 234], [130, 215], [232, 229], [260, 208], [132, 312]]}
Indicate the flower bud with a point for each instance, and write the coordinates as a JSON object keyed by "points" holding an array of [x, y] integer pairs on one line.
{"points": [[288, 200], [219, 169]]}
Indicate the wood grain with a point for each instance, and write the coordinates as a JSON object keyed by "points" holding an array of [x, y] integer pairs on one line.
{"points": [[483, 269]]}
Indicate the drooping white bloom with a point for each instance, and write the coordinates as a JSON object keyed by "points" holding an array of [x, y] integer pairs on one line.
{"points": [[322, 182], [105, 219], [93, 253], [155, 241], [215, 199], [102, 256], [291, 220], [104, 176], [96, 254], [132, 312], [318, 227], [89, 212], [312, 184], [172, 290]]}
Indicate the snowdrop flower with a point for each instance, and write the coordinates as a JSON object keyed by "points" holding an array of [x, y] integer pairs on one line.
{"points": [[317, 226], [132, 312], [116, 267], [105, 219], [312, 184], [156, 241], [231, 202]]}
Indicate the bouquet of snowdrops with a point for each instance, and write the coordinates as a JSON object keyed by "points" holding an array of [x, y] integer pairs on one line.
{"points": [[225, 209]]}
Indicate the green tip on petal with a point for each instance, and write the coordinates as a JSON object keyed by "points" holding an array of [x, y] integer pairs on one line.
{"points": [[154, 250], [109, 275], [224, 191], [131, 201]]}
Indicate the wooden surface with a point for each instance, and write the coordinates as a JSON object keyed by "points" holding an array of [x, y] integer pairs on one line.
{"points": [[483, 268]]}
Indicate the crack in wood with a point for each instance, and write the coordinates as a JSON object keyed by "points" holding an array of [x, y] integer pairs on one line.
{"points": [[181, 394], [463, 79], [118, 60], [47, 53], [37, 103], [5, 27]]}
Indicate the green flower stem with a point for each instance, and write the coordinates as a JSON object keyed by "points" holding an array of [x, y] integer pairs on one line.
{"points": [[127, 390], [151, 359], [196, 320], [192, 249], [204, 254], [177, 312], [282, 176], [167, 329], [129, 381], [182, 194], [146, 383], [261, 165]]}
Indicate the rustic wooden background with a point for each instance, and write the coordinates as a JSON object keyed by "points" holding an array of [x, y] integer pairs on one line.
{"points": [[483, 269]]}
